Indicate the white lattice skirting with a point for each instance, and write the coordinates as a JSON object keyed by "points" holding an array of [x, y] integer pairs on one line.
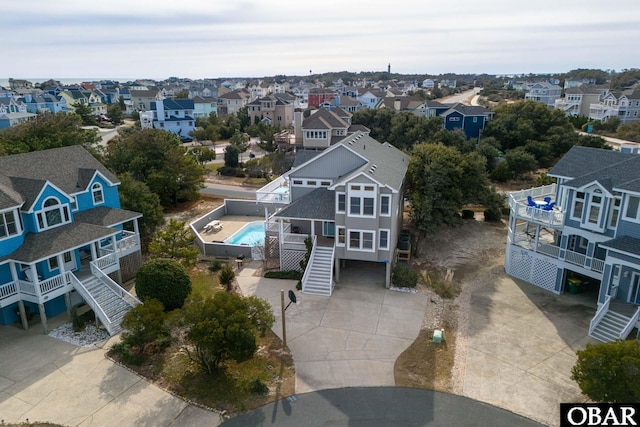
{"points": [[533, 268], [290, 260]]}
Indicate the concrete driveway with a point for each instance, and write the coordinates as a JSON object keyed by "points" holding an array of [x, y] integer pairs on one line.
{"points": [[350, 339], [521, 347], [45, 379]]}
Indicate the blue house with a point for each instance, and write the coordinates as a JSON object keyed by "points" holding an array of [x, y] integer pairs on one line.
{"points": [[470, 119], [63, 238], [174, 115], [37, 103], [587, 231]]}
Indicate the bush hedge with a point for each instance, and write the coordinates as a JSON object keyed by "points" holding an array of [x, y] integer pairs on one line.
{"points": [[165, 280], [289, 274], [404, 276]]}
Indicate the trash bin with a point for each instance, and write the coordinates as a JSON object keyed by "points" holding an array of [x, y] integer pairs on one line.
{"points": [[574, 286]]}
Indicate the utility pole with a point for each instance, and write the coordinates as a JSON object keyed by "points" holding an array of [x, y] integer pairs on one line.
{"points": [[284, 327]]}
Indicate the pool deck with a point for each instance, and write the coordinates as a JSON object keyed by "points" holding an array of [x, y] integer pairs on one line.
{"points": [[230, 225]]}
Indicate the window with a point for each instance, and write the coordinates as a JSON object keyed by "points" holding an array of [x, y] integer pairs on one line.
{"points": [[454, 119], [341, 236], [475, 120], [360, 240], [74, 205], [362, 202], [98, 195], [53, 263], [325, 183], [383, 242], [632, 208], [385, 205], [341, 203], [53, 213], [311, 183], [297, 182], [578, 205], [615, 212], [595, 205], [8, 224]]}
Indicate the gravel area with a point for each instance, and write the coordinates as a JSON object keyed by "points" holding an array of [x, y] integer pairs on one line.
{"points": [[88, 337]]}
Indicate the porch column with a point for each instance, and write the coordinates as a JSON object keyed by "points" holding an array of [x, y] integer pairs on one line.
{"points": [[114, 244], [23, 315], [94, 253], [280, 240], [337, 272], [67, 302], [313, 228], [135, 226], [535, 247], [387, 275], [43, 318]]}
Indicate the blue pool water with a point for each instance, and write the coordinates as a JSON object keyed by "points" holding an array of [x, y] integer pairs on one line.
{"points": [[251, 234]]}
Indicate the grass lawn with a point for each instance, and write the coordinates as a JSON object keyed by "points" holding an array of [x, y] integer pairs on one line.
{"points": [[203, 283], [426, 364]]}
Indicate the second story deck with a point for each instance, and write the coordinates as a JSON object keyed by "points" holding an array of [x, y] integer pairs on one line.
{"points": [[520, 208]]}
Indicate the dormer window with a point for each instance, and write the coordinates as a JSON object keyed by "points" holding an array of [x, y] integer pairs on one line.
{"points": [[9, 226], [53, 214], [97, 193]]}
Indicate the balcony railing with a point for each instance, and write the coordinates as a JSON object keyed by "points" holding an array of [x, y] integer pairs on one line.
{"points": [[277, 191], [553, 251]]}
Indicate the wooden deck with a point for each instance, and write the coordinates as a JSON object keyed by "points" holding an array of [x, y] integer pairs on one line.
{"points": [[625, 308]]}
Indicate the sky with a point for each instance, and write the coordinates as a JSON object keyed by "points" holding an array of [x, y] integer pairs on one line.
{"points": [[253, 38]]}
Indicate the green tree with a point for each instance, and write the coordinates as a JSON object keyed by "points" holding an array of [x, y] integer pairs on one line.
{"points": [[46, 130], [441, 180], [183, 94], [114, 112], [231, 156], [519, 162], [226, 276], [175, 242], [136, 196], [243, 118], [219, 329], [203, 154], [260, 314], [85, 113], [629, 131], [144, 324], [165, 280], [123, 106], [156, 157], [240, 141], [609, 372]]}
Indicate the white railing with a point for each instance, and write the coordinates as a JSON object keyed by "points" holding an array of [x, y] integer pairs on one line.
{"points": [[614, 291], [57, 282], [129, 241], [632, 323], [307, 271], [95, 306], [599, 314], [518, 196], [27, 288], [597, 265], [117, 289], [575, 258], [9, 289], [274, 227], [105, 261], [294, 238], [550, 250], [552, 218], [277, 191]]}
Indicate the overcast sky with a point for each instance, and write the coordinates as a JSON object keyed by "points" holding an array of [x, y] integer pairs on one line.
{"points": [[252, 38]]}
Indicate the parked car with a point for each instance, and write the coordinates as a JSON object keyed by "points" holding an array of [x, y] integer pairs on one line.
{"points": [[186, 138]]}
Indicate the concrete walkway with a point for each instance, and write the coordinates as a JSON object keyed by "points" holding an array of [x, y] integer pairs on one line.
{"points": [[352, 338], [521, 347], [45, 379]]}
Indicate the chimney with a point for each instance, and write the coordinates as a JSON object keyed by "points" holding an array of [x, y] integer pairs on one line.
{"points": [[297, 126]]}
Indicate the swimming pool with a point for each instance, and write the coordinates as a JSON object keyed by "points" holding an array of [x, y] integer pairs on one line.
{"points": [[251, 234]]}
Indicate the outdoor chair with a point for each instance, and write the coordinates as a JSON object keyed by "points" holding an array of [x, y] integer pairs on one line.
{"points": [[547, 199]]}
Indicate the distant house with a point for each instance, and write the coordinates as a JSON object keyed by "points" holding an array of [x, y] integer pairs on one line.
{"points": [[64, 238], [174, 115], [203, 107], [231, 102], [623, 105], [447, 83], [346, 103], [371, 97], [544, 92], [13, 113], [412, 104], [318, 95], [38, 103], [470, 119], [577, 100], [434, 108], [428, 84], [142, 99], [275, 110], [574, 82]]}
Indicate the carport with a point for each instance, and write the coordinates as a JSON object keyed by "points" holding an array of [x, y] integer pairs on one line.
{"points": [[362, 274]]}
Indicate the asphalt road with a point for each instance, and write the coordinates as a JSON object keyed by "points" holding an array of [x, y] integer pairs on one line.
{"points": [[379, 407]]}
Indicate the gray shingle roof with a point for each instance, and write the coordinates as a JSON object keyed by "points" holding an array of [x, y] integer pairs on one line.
{"points": [[580, 161], [38, 246], [318, 204], [323, 119], [68, 168], [625, 244], [105, 217], [303, 156], [468, 110]]}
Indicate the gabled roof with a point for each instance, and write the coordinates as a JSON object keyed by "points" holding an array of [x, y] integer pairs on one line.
{"points": [[68, 168], [593, 164], [626, 244], [318, 204], [467, 110], [323, 119], [105, 216], [303, 156]]}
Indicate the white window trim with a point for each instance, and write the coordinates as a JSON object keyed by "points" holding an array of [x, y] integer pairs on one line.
{"points": [[341, 227], [388, 238], [96, 187], [345, 202], [626, 209], [573, 206], [361, 240], [16, 222], [613, 208], [42, 213], [590, 203], [362, 194], [388, 196], [51, 268]]}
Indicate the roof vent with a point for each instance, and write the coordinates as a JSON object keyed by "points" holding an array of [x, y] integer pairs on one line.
{"points": [[372, 169]]}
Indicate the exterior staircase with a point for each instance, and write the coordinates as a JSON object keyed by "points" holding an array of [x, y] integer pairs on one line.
{"points": [[617, 322], [318, 277]]}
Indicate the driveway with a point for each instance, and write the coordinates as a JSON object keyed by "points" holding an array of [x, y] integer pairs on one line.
{"points": [[521, 345], [351, 339], [45, 379]]}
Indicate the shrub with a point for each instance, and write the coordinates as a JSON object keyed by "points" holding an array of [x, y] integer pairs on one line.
{"points": [[124, 353], [289, 274], [467, 214], [228, 170], [215, 265], [165, 280], [493, 213], [259, 387], [226, 276], [404, 276], [445, 288], [80, 321], [145, 323]]}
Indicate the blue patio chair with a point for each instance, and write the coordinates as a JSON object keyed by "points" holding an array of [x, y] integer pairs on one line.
{"points": [[547, 199], [549, 206], [530, 202]]}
